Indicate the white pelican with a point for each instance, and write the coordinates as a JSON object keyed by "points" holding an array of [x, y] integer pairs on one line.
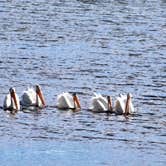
{"points": [[66, 100], [123, 104], [11, 101], [101, 104], [33, 98]]}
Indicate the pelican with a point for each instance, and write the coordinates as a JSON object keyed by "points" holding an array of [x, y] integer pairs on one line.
{"points": [[33, 98], [123, 104], [101, 104], [11, 101], [66, 100]]}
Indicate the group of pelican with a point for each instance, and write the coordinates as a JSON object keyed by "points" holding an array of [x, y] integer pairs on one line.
{"points": [[34, 98], [31, 98]]}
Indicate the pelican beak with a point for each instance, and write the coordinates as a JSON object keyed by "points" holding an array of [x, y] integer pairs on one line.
{"points": [[109, 103], [13, 95], [40, 94], [76, 100], [127, 104]]}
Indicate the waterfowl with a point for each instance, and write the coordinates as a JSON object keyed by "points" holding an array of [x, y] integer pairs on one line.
{"points": [[11, 101], [33, 97], [124, 105], [66, 100], [101, 104]]}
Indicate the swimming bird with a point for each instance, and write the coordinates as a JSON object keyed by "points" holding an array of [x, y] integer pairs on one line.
{"points": [[11, 101], [66, 100], [101, 104], [33, 97], [124, 105]]}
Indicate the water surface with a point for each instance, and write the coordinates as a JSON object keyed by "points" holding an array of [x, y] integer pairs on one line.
{"points": [[84, 46]]}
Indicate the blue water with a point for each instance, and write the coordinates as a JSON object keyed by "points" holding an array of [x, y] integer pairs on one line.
{"points": [[84, 46], [73, 153]]}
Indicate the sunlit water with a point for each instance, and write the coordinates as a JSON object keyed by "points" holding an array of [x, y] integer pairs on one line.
{"points": [[84, 46]]}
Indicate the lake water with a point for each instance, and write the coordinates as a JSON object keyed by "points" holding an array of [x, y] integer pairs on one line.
{"points": [[84, 46]]}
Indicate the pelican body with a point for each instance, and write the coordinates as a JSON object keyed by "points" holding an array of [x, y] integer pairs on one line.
{"points": [[11, 101], [123, 104], [33, 98], [101, 104], [66, 100]]}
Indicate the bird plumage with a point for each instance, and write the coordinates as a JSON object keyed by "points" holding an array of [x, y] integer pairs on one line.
{"points": [[33, 98], [66, 100], [123, 104], [11, 101], [100, 103]]}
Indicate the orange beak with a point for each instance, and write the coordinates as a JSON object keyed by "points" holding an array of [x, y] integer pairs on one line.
{"points": [[76, 100], [13, 95], [40, 94]]}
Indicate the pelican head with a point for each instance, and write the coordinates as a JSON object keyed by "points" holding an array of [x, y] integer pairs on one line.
{"points": [[129, 95], [13, 96], [76, 101], [12, 90], [40, 94], [108, 98]]}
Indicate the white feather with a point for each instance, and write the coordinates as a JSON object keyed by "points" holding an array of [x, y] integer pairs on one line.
{"points": [[99, 103], [120, 104], [30, 98], [65, 100], [9, 102]]}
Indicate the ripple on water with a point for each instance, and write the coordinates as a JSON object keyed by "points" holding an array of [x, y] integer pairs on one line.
{"points": [[85, 46]]}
